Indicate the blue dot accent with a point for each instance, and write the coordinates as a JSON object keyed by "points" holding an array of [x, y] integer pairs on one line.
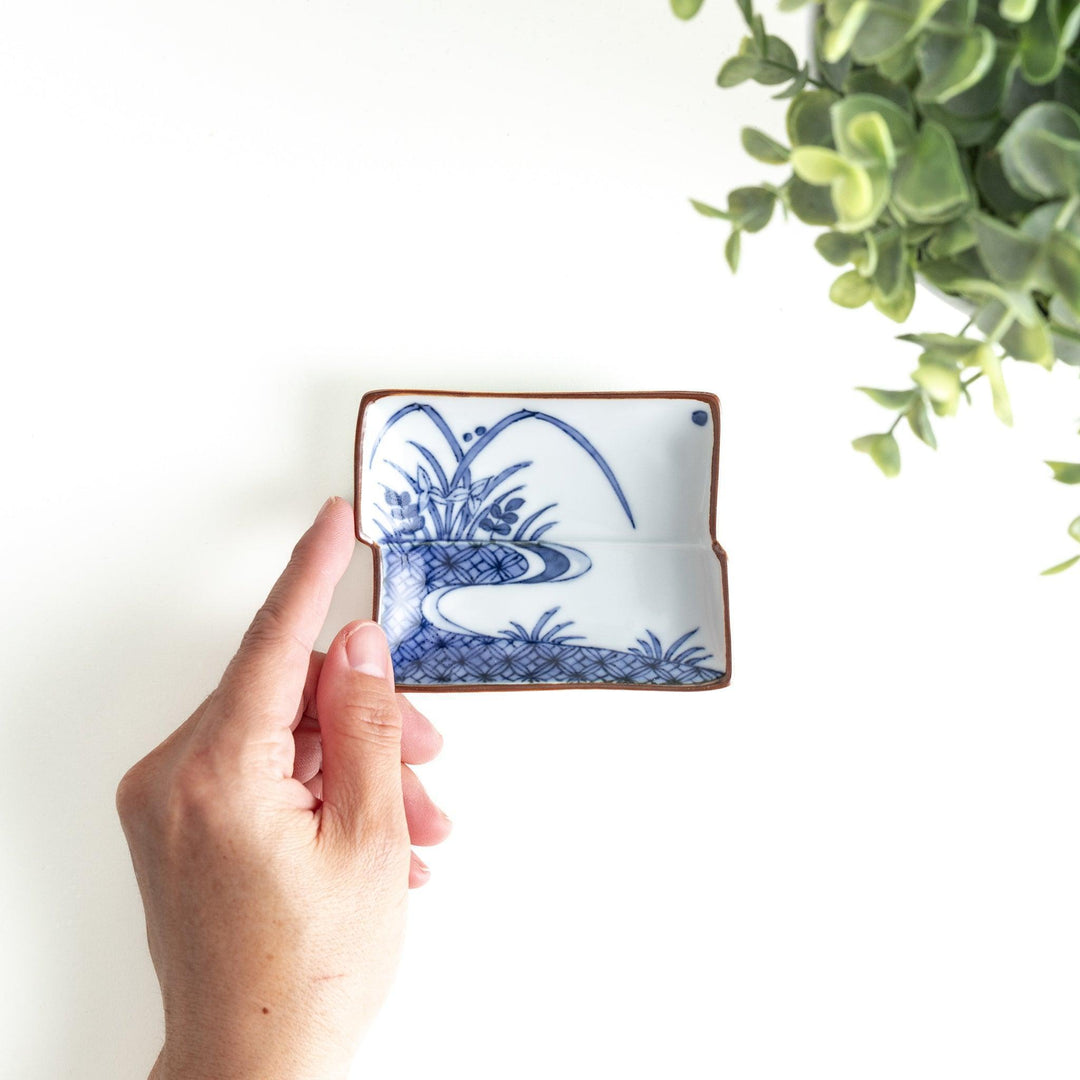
{"points": [[700, 417], [481, 430], [467, 436]]}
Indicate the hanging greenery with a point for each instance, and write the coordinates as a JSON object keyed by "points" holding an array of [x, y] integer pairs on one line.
{"points": [[931, 139]]}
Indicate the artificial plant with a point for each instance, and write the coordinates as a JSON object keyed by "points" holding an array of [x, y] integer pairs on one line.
{"points": [[934, 139]]}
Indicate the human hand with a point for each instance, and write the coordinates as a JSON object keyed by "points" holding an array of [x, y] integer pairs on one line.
{"points": [[270, 838]]}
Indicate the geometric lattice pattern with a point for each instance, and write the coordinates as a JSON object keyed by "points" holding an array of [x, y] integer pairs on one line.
{"points": [[431, 657], [412, 570], [454, 563]]}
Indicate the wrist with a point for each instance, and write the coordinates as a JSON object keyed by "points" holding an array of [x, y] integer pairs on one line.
{"points": [[204, 1056]]}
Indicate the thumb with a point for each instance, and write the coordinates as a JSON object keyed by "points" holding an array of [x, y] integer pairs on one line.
{"points": [[360, 722]]}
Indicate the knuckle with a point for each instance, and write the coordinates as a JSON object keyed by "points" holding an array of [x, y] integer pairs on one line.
{"points": [[268, 626], [193, 795], [271, 630], [375, 718], [131, 792]]}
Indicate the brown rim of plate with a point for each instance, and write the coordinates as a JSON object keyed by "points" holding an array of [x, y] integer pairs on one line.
{"points": [[376, 558]]}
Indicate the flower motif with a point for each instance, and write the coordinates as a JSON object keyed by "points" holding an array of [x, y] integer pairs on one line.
{"points": [[498, 518], [404, 511]]}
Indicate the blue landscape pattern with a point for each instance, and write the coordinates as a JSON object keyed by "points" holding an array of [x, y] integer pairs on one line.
{"points": [[444, 527]]}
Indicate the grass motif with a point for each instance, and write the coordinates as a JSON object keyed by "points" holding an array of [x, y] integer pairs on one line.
{"points": [[443, 501], [539, 635], [650, 648]]}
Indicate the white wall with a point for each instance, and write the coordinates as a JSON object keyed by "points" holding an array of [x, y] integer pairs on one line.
{"points": [[223, 222]]}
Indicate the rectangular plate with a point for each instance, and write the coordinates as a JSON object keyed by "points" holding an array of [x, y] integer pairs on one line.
{"points": [[542, 541]]}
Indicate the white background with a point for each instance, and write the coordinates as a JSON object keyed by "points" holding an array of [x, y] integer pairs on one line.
{"points": [[222, 223]]}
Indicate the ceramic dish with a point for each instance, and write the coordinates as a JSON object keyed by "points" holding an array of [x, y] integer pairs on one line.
{"points": [[545, 540]]}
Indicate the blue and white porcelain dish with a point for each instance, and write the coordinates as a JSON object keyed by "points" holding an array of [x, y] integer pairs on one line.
{"points": [[545, 540]]}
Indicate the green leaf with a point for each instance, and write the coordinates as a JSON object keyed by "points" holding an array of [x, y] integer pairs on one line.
{"points": [[686, 9], [757, 32], [751, 208], [952, 63], [897, 306], [747, 9], [809, 121], [732, 249], [998, 194], [868, 129], [866, 261], [966, 131], [797, 86], [870, 82], [811, 205], [951, 239], [779, 63], [1040, 153], [763, 147], [1017, 11], [959, 15], [891, 262], [839, 248], [1061, 566], [1074, 529], [838, 40], [850, 290], [833, 74], [738, 69], [919, 421], [959, 277], [930, 185], [858, 194], [1008, 255], [1066, 18], [882, 34], [866, 138], [1065, 472], [1041, 53], [941, 381], [984, 98], [899, 66], [883, 449], [709, 211], [952, 345], [819, 165], [990, 363], [1063, 264], [1034, 344], [891, 399]]}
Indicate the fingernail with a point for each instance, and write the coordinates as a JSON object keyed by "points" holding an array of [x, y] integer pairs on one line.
{"points": [[326, 506], [421, 865], [366, 650]]}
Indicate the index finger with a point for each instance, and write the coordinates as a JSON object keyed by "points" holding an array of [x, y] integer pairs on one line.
{"points": [[270, 669]]}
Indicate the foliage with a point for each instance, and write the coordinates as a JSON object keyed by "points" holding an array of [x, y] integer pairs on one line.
{"points": [[933, 139], [651, 648], [450, 504], [538, 635]]}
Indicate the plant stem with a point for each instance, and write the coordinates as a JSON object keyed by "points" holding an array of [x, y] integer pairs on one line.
{"points": [[974, 378], [1067, 212], [793, 72], [1001, 327]]}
